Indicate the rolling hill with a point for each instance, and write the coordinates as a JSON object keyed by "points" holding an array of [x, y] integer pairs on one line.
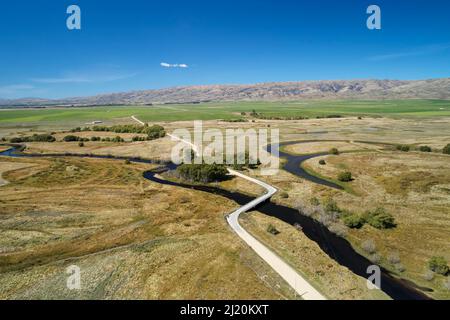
{"points": [[327, 89]]}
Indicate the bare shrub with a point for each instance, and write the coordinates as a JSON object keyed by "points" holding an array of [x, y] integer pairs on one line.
{"points": [[393, 258], [325, 219], [428, 275], [447, 283], [399, 267], [304, 209], [338, 229], [369, 246], [318, 211], [375, 258]]}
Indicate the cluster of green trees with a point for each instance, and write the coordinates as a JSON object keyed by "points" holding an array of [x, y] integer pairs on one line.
{"points": [[73, 138], [34, 138], [235, 120], [79, 129], [240, 161], [202, 173], [138, 138], [406, 148], [152, 132], [244, 160], [265, 117], [128, 128], [330, 116], [424, 149], [378, 218], [353, 220], [403, 147]]}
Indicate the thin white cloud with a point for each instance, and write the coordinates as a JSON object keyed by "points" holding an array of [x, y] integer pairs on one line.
{"points": [[176, 65], [416, 52]]}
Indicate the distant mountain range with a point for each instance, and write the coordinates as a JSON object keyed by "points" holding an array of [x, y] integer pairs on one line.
{"points": [[282, 91]]}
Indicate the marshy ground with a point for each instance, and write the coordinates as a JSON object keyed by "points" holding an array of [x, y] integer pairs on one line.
{"points": [[135, 239]]}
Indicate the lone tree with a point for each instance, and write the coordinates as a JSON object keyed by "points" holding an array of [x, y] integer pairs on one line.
{"points": [[403, 147], [271, 229], [71, 138], [425, 149], [438, 265], [345, 176], [334, 151], [446, 149]]}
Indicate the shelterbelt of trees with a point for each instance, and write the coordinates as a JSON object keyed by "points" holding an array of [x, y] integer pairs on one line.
{"points": [[153, 132], [34, 138]]}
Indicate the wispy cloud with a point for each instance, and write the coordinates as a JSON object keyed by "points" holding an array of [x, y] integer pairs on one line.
{"points": [[83, 78], [176, 65], [426, 50]]}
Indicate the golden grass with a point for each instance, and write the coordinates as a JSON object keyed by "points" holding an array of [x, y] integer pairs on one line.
{"points": [[415, 189], [318, 147], [6, 166], [333, 280], [157, 149], [130, 237], [102, 134]]}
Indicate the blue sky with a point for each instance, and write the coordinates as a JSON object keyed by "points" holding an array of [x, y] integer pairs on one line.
{"points": [[122, 44]]}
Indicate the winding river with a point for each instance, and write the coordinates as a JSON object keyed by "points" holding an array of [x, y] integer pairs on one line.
{"points": [[337, 248]]}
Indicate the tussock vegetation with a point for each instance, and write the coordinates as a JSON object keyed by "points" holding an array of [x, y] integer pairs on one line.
{"points": [[130, 237], [413, 191], [334, 281]]}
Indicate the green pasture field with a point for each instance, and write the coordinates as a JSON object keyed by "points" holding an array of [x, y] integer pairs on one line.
{"points": [[232, 110]]}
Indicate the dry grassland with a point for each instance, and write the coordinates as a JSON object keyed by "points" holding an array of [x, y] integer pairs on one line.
{"points": [[130, 237]]}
